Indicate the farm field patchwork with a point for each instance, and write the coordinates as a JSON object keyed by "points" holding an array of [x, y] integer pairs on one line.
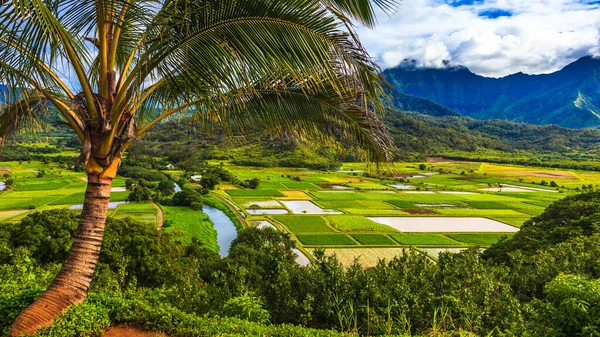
{"points": [[344, 208]]}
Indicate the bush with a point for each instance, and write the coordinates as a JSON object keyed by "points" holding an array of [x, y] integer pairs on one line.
{"points": [[139, 194], [248, 308], [196, 206]]}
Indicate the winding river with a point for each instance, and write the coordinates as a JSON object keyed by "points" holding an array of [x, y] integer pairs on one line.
{"points": [[225, 228]]}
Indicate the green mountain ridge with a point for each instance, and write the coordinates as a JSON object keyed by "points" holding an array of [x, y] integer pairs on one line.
{"points": [[569, 97]]}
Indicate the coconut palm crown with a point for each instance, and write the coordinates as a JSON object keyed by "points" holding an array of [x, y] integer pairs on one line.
{"points": [[115, 68]]}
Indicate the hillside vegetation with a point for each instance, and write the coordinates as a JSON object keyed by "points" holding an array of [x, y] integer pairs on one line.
{"points": [[569, 97]]}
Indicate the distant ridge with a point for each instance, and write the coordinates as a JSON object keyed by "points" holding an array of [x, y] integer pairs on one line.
{"points": [[569, 97]]}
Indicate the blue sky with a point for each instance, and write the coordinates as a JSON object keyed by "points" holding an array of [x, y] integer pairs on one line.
{"points": [[491, 37]]}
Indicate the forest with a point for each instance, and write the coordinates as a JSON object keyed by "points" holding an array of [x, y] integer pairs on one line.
{"points": [[541, 282]]}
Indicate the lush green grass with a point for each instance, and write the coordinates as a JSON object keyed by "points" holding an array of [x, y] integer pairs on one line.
{"points": [[73, 199], [340, 204], [9, 203], [326, 240], [355, 223], [488, 205], [517, 222], [499, 213], [144, 212], [484, 240], [271, 185], [260, 193], [304, 223], [119, 196], [403, 204], [373, 239], [295, 185], [337, 195], [424, 239], [188, 223], [41, 184]]}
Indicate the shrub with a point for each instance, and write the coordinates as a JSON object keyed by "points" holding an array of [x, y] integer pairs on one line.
{"points": [[248, 308]]}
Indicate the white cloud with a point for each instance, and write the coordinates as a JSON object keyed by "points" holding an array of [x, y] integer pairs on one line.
{"points": [[540, 36]]}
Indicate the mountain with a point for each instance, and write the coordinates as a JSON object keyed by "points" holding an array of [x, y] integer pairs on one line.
{"points": [[569, 97], [424, 106]]}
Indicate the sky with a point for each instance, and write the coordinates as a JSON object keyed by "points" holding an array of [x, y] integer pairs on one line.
{"points": [[492, 38]]}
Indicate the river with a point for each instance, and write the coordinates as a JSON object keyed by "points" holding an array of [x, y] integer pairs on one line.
{"points": [[225, 228]]}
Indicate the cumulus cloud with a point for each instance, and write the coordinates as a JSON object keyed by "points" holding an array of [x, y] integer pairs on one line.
{"points": [[491, 37]]}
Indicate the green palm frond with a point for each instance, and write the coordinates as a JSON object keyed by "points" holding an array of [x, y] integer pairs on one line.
{"points": [[293, 64]]}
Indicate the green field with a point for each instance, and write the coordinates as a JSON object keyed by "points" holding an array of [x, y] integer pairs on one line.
{"points": [[260, 193], [484, 240], [424, 240], [373, 239], [354, 223], [304, 223], [188, 224], [326, 240]]}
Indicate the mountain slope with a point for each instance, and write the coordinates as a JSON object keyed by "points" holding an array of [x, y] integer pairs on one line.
{"points": [[569, 97]]}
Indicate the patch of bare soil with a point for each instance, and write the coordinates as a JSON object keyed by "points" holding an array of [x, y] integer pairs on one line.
{"points": [[419, 211], [129, 331], [5, 172]]}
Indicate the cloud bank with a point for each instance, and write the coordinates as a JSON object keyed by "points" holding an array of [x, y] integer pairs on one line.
{"points": [[491, 37]]}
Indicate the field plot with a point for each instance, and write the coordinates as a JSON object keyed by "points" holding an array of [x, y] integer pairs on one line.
{"points": [[250, 193], [374, 239], [143, 212], [353, 223], [338, 195], [410, 239], [304, 223], [326, 240], [306, 207], [479, 239], [444, 225], [367, 257], [265, 211]]}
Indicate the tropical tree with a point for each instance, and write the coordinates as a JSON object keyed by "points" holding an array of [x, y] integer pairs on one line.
{"points": [[114, 68]]}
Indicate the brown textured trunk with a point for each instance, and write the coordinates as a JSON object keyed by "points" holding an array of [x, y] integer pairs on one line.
{"points": [[73, 281]]}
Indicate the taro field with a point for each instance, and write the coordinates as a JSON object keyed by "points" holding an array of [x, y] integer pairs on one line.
{"points": [[444, 206], [56, 188]]}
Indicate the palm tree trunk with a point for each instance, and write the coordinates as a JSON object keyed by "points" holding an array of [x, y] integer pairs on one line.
{"points": [[75, 277]]}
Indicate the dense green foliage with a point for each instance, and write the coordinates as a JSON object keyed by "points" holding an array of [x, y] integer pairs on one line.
{"points": [[541, 282]]}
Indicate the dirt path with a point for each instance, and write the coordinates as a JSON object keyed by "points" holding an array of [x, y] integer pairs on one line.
{"points": [[160, 215], [128, 331]]}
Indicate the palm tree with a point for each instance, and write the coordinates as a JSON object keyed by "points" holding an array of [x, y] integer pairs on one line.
{"points": [[113, 69]]}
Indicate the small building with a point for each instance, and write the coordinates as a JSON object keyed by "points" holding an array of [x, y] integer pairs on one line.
{"points": [[196, 178], [170, 167]]}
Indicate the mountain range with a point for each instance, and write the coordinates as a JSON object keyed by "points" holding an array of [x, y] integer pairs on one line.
{"points": [[569, 97]]}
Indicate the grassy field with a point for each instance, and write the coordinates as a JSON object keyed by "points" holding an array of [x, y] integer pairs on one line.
{"points": [[424, 240], [326, 240], [188, 224], [355, 223], [373, 239], [304, 223]]}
